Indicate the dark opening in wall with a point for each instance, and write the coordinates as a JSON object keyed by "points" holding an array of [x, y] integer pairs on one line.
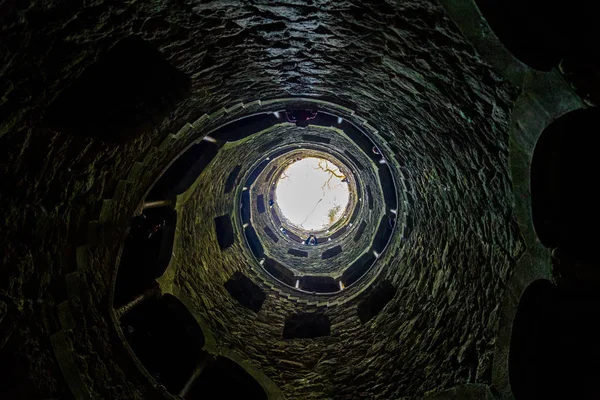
{"points": [[554, 348], [129, 91], [324, 119], [231, 179], [563, 194], [267, 146], [319, 284], [244, 127], [294, 237], [275, 217], [383, 234], [329, 253], [254, 242], [388, 187], [270, 173], [224, 230], [184, 171], [306, 326], [339, 232], [363, 142], [360, 231], [358, 268], [298, 253], [370, 198], [245, 207], [146, 253], [315, 138], [260, 204], [376, 301], [356, 209], [224, 379], [532, 348], [166, 338], [271, 234], [246, 292], [279, 271], [526, 28], [256, 172], [354, 160]]}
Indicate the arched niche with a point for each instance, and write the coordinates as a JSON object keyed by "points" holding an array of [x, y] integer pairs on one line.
{"points": [[526, 28], [225, 379], [145, 255], [554, 350], [564, 172], [542, 34], [166, 339], [530, 355]]}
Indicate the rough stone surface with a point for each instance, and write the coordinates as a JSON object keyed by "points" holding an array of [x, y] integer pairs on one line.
{"points": [[403, 65]]}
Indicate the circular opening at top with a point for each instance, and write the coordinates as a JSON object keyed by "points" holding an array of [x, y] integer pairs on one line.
{"points": [[312, 193]]}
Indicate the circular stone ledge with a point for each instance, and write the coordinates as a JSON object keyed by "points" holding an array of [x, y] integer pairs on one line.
{"points": [[252, 177]]}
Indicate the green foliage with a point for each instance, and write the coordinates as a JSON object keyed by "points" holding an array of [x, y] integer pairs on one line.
{"points": [[332, 213]]}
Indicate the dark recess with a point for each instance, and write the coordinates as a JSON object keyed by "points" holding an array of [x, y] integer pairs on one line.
{"points": [[260, 203], [256, 172], [319, 284], [245, 207], [542, 33], [298, 253], [294, 237], [361, 140], [246, 292], [383, 234], [339, 232], [354, 215], [271, 234], [224, 230], [354, 160], [184, 171], [270, 173], [360, 231], [306, 326], [166, 338], [279, 152], [129, 91], [369, 198], [145, 259], [254, 242], [279, 271], [244, 127], [267, 146], [230, 183], [224, 379], [563, 195], [315, 138], [376, 301], [276, 219], [329, 253], [554, 349], [526, 28], [324, 119], [388, 187], [358, 268]]}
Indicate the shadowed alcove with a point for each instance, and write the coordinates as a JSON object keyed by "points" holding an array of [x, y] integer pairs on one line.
{"points": [[563, 194]]}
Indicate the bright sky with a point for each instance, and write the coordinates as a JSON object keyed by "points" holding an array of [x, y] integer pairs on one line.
{"points": [[306, 198]]}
